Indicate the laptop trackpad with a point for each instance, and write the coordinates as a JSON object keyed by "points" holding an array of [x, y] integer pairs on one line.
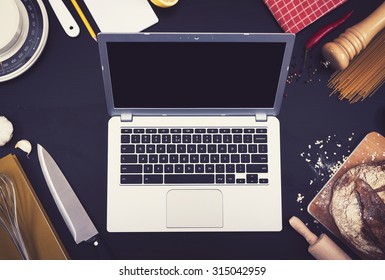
{"points": [[194, 209]]}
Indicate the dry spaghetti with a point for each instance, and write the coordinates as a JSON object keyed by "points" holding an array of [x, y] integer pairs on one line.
{"points": [[364, 75]]}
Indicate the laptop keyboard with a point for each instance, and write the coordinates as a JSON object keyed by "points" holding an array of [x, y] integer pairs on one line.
{"points": [[194, 156]]}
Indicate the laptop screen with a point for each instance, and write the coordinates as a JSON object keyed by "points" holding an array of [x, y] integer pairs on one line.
{"points": [[195, 74]]}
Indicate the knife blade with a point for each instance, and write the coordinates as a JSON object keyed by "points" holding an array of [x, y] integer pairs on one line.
{"points": [[72, 211]]}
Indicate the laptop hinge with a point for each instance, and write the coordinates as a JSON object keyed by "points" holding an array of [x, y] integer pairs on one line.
{"points": [[260, 117], [126, 117]]}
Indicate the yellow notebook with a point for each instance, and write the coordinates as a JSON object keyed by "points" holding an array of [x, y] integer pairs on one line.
{"points": [[40, 237]]}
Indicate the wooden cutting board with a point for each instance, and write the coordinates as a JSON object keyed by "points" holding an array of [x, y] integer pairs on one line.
{"points": [[40, 238], [370, 150]]}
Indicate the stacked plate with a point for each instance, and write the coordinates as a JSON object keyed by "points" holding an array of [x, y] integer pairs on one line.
{"points": [[24, 32]]}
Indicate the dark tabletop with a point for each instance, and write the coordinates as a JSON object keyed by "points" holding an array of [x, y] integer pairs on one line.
{"points": [[60, 103]]}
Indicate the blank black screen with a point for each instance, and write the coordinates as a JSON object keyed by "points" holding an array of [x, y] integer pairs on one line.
{"points": [[194, 74]]}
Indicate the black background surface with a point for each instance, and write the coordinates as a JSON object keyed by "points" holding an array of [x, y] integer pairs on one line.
{"points": [[60, 104]]}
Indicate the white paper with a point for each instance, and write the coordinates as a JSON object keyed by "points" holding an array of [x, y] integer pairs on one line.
{"points": [[121, 16]]}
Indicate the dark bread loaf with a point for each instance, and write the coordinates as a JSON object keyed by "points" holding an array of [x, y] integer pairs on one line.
{"points": [[358, 209]]}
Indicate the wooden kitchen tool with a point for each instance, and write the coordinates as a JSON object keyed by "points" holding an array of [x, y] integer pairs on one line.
{"points": [[343, 49], [322, 247], [40, 237]]}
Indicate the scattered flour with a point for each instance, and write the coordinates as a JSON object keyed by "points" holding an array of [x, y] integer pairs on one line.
{"points": [[326, 156], [300, 197]]}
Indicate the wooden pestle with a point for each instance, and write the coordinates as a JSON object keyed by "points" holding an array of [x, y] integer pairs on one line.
{"points": [[343, 49], [322, 247]]}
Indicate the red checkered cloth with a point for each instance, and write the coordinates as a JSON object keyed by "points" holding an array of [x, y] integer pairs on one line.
{"points": [[294, 15]]}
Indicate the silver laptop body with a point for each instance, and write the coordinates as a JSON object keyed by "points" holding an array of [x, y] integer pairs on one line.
{"points": [[207, 92]]}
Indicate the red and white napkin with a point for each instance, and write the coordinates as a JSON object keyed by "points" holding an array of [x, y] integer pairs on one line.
{"points": [[294, 15]]}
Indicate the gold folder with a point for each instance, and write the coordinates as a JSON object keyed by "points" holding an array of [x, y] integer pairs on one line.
{"points": [[41, 240]]}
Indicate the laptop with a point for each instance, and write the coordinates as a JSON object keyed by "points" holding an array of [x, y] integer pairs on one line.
{"points": [[193, 138]]}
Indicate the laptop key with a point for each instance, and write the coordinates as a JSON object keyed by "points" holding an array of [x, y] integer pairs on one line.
{"points": [[211, 148], [199, 168], [262, 149], [227, 138], [189, 178], [220, 168], [135, 138], [191, 149], [260, 138], [252, 178], [153, 158], [125, 138], [148, 168], [140, 149], [158, 168], [178, 168], [169, 168], [131, 179], [153, 179], [259, 158], [217, 138], [150, 149], [146, 138], [235, 158], [171, 148], [186, 138], [155, 138], [174, 159], [237, 138], [160, 149], [143, 158], [256, 168], [220, 178], [230, 178], [189, 168], [127, 149], [131, 168], [128, 158], [253, 148]]}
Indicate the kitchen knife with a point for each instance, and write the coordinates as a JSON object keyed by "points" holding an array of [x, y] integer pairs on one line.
{"points": [[72, 211]]}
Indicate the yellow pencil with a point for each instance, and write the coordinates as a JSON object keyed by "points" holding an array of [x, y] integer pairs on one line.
{"points": [[84, 19]]}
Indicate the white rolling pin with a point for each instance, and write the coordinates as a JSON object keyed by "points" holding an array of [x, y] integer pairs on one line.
{"points": [[322, 247]]}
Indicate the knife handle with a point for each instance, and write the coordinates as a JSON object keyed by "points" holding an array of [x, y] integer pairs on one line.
{"points": [[97, 242]]}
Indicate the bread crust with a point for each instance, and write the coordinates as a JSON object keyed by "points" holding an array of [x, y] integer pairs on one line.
{"points": [[355, 203]]}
